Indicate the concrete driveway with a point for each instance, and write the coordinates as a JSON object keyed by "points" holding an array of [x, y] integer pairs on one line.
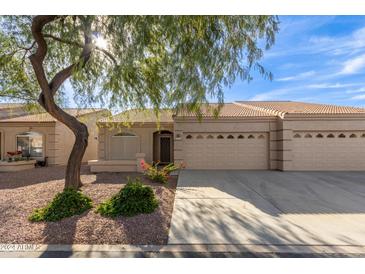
{"points": [[269, 207]]}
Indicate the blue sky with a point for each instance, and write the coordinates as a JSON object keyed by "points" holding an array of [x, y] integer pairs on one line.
{"points": [[315, 59]]}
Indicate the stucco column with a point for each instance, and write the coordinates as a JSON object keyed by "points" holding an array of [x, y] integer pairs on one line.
{"points": [[139, 157]]}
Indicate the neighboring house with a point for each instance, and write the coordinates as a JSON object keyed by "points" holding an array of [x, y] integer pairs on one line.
{"points": [[39, 135], [280, 135]]}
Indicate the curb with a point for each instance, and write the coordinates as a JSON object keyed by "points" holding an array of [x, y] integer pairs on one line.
{"points": [[249, 248]]}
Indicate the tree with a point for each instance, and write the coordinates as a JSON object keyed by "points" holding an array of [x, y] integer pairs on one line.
{"points": [[127, 61]]}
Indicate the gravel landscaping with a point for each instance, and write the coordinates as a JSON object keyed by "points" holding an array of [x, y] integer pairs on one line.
{"points": [[21, 192]]}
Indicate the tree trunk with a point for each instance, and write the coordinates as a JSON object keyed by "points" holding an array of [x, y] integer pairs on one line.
{"points": [[79, 129], [49, 89], [73, 179]]}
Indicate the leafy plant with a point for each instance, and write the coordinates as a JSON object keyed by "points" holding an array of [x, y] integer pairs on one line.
{"points": [[156, 173], [133, 199], [65, 204]]}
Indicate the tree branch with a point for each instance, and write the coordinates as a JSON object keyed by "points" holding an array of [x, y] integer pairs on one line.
{"points": [[38, 57], [74, 43], [64, 74]]}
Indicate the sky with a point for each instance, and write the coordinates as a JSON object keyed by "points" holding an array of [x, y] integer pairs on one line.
{"points": [[317, 59]]}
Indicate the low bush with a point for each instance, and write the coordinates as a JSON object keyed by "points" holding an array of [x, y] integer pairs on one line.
{"points": [[65, 204], [134, 198], [156, 173]]}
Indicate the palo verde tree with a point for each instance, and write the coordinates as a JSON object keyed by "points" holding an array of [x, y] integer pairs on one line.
{"points": [[127, 61]]}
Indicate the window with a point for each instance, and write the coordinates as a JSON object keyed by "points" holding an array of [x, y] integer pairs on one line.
{"points": [[261, 137], [297, 136], [189, 137], [342, 135], [319, 135], [220, 137], [308, 136], [30, 144], [363, 135], [210, 137], [230, 137], [240, 137], [124, 134], [251, 136], [199, 137], [353, 135], [124, 146]]}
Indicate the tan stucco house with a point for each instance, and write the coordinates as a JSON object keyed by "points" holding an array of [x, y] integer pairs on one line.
{"points": [[40, 136], [280, 135]]}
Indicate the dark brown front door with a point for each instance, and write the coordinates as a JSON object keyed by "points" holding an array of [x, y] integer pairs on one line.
{"points": [[165, 149]]}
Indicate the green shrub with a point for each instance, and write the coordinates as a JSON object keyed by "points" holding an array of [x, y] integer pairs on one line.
{"points": [[133, 199], [157, 174], [65, 204]]}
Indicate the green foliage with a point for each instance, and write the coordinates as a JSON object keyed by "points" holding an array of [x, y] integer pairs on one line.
{"points": [[158, 61], [65, 204], [133, 199], [156, 173]]}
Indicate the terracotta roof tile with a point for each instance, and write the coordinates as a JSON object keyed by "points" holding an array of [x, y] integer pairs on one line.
{"points": [[45, 117], [281, 108], [140, 116], [229, 110]]}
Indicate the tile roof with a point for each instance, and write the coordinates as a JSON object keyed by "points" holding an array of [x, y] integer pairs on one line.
{"points": [[45, 117], [140, 116], [10, 105], [281, 108], [228, 110], [240, 109]]}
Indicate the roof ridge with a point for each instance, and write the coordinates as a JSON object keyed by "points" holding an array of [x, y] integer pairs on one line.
{"points": [[281, 114]]}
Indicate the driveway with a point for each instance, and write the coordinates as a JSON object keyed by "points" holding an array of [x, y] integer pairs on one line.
{"points": [[269, 207]]}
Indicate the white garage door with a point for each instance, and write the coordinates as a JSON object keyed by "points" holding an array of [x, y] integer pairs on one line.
{"points": [[328, 151], [226, 151]]}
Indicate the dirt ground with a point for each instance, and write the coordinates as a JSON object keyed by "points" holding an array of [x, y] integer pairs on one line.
{"points": [[21, 192]]}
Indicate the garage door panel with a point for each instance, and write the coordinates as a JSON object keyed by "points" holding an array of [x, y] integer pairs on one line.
{"points": [[328, 153], [208, 153]]}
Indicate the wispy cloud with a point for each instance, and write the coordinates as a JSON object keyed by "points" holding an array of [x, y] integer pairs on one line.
{"points": [[353, 65], [359, 90], [350, 44], [271, 95], [329, 85], [297, 77], [358, 97]]}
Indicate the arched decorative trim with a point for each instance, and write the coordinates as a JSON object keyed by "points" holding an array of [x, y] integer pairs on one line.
{"points": [[319, 135], [199, 137], [330, 135], [189, 137], [353, 135], [297, 136], [230, 137], [251, 136], [210, 137], [220, 137], [124, 134], [261, 136], [308, 135], [342, 135], [242, 137]]}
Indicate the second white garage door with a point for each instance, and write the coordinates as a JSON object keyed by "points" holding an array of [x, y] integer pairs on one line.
{"points": [[328, 151], [226, 151]]}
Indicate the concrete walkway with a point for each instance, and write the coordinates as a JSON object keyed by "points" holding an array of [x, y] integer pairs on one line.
{"points": [[269, 208]]}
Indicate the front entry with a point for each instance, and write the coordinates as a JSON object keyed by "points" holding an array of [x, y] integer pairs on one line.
{"points": [[162, 147]]}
